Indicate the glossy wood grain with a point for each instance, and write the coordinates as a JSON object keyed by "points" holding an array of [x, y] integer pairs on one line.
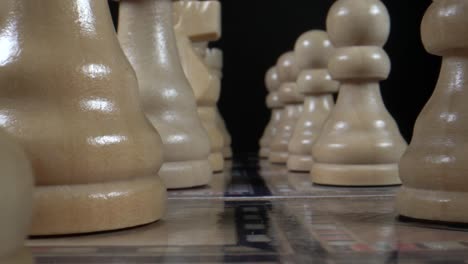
{"points": [[433, 169], [70, 97], [312, 50], [200, 21], [360, 143], [147, 37]]}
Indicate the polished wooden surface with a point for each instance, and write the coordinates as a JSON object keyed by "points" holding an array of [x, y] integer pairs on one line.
{"points": [[257, 212], [433, 169], [312, 50], [200, 20], [69, 96], [166, 95], [360, 143]]}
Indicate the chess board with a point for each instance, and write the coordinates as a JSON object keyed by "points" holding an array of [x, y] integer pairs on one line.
{"points": [[256, 212]]}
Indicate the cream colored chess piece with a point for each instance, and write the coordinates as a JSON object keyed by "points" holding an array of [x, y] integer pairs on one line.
{"points": [[312, 51], [200, 21], [167, 98], [214, 60], [16, 196], [272, 84], [360, 143], [293, 102], [70, 98], [433, 169]]}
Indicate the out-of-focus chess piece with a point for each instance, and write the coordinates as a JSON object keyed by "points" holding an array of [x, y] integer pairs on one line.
{"points": [[312, 51], [360, 144], [166, 95], [16, 199], [214, 60], [433, 169], [200, 21], [293, 101], [69, 96], [273, 102]]}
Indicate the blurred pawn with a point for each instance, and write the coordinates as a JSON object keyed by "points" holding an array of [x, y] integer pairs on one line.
{"points": [[293, 103], [312, 50], [272, 83], [16, 194], [214, 60]]}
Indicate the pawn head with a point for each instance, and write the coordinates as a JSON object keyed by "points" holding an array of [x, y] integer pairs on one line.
{"points": [[312, 50], [287, 67], [358, 23], [272, 82]]}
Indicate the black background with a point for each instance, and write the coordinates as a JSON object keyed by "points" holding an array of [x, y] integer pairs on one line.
{"points": [[256, 33]]}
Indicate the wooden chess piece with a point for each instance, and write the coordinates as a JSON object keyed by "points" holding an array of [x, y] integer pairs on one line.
{"points": [[360, 144], [433, 169], [272, 84], [312, 51], [70, 97], [199, 21], [16, 198], [293, 102], [166, 95], [214, 60]]}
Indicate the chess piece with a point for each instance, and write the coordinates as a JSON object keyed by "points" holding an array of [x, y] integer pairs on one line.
{"points": [[16, 196], [272, 84], [166, 95], [312, 51], [199, 21], [360, 144], [214, 60], [293, 103], [69, 96], [433, 169]]}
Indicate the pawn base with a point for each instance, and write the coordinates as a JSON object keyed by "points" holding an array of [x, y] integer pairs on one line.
{"points": [[433, 205], [278, 157], [355, 175], [299, 163], [22, 256], [217, 161], [264, 153], [87, 208], [186, 174]]}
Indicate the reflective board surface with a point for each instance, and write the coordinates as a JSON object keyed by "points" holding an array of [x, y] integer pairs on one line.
{"points": [[256, 212]]}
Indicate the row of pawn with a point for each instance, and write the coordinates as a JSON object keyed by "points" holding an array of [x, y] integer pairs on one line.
{"points": [[355, 141], [95, 126]]}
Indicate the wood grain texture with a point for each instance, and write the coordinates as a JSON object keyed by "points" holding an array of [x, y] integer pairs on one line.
{"points": [[200, 21], [69, 96], [147, 37], [360, 143], [433, 168]]}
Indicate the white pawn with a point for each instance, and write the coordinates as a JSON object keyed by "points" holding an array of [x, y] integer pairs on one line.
{"points": [[272, 84], [16, 194], [312, 50], [293, 103], [360, 144], [434, 167]]}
